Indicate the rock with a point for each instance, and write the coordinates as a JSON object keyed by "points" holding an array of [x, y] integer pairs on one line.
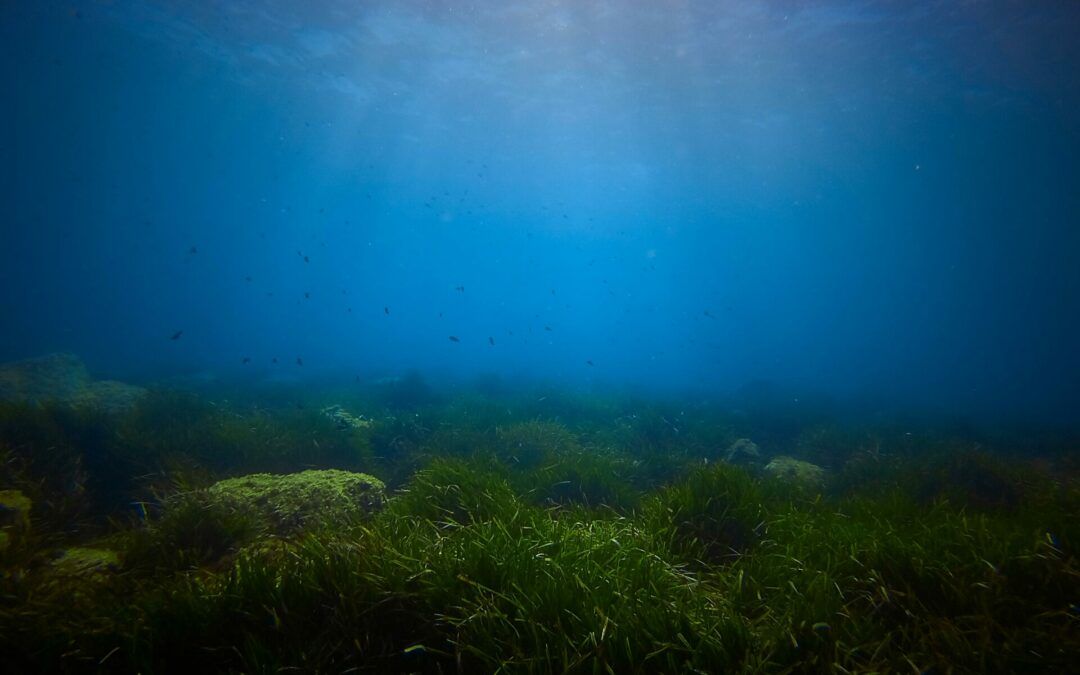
{"points": [[14, 516], [345, 420], [56, 376], [86, 562], [742, 451], [289, 502], [63, 378], [796, 471], [111, 395]]}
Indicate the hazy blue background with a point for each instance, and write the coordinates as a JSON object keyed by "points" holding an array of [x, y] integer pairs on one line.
{"points": [[867, 198]]}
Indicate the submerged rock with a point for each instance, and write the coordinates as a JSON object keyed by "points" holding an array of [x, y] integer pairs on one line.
{"points": [[796, 471], [63, 378], [345, 420], [285, 503], [742, 451], [86, 562], [14, 516]]}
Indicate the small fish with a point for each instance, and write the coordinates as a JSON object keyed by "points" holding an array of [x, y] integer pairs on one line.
{"points": [[193, 250], [307, 295], [273, 360], [245, 360], [590, 363], [299, 361], [547, 328], [415, 649], [176, 335], [247, 279], [386, 310], [491, 341], [307, 259], [822, 627], [454, 338], [459, 289], [709, 314]]}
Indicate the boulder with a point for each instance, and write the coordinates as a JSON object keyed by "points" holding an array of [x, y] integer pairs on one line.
{"points": [[63, 378], [742, 451], [86, 562], [14, 516], [796, 471], [286, 503], [345, 420]]}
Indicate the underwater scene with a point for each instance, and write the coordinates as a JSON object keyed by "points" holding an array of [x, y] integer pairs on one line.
{"points": [[540, 336]]}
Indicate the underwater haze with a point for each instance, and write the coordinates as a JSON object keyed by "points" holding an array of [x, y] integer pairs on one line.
{"points": [[869, 200]]}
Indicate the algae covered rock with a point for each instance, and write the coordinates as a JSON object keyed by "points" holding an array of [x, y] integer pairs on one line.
{"points": [[86, 562], [742, 451], [14, 516], [289, 502], [345, 420], [796, 471], [63, 378]]}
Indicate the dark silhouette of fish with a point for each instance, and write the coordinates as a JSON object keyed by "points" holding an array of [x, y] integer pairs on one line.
{"points": [[459, 289], [491, 341], [547, 328], [193, 250], [386, 310], [709, 314], [273, 360], [247, 278], [307, 259], [299, 361], [590, 363], [307, 295], [176, 335], [454, 338], [246, 360]]}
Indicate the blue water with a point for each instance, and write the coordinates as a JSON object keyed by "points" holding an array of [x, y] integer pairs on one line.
{"points": [[872, 201]]}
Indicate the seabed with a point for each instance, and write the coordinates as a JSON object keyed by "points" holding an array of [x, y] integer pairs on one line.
{"points": [[394, 528]]}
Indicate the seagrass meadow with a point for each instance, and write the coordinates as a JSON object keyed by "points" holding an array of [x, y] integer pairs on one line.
{"points": [[410, 530]]}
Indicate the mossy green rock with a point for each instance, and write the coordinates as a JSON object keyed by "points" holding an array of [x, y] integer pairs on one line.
{"points": [[796, 471], [742, 451], [345, 420], [289, 502], [86, 562], [14, 516], [63, 378]]}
